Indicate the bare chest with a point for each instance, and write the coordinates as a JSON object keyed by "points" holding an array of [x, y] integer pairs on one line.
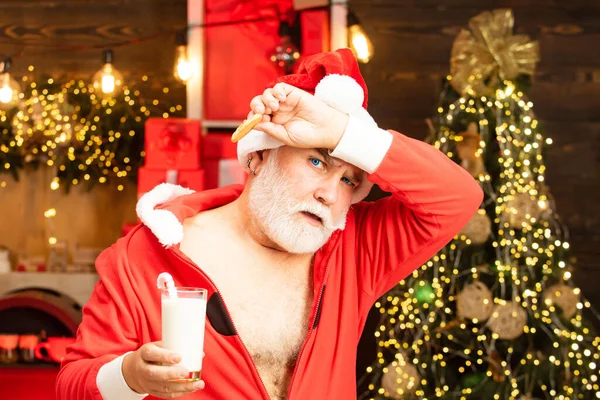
{"points": [[269, 305]]}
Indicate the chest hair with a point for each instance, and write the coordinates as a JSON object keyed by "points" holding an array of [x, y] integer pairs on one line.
{"points": [[269, 303]]}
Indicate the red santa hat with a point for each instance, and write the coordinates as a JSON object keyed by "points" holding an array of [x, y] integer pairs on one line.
{"points": [[334, 77]]}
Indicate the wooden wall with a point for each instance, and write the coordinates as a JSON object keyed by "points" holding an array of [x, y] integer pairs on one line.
{"points": [[413, 39], [55, 37]]}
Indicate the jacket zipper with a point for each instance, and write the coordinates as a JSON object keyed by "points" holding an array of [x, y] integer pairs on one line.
{"points": [[265, 392], [312, 322]]}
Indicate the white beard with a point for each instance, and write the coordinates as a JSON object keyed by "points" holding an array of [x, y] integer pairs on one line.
{"points": [[276, 214]]}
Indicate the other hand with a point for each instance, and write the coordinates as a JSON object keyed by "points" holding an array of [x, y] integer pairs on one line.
{"points": [[150, 368]]}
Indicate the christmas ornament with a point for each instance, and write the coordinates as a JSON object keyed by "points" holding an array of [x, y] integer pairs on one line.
{"points": [[508, 320], [475, 302], [490, 50], [424, 292], [495, 366], [563, 296], [479, 228], [521, 208], [472, 379], [400, 379], [468, 144], [286, 53]]}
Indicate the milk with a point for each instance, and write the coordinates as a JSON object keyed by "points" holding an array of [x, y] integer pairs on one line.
{"points": [[183, 321]]}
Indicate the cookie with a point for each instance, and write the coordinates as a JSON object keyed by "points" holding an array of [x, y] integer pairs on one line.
{"points": [[245, 127]]}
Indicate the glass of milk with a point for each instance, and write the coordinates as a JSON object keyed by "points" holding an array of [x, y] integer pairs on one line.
{"points": [[183, 322]]}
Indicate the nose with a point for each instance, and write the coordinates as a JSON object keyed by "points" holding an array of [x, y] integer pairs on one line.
{"points": [[327, 192]]}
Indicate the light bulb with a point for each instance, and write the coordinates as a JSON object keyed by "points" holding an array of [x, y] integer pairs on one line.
{"points": [[183, 67], [9, 87], [107, 80], [359, 41]]}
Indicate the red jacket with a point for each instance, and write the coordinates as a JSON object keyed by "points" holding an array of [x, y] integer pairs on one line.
{"points": [[384, 241]]}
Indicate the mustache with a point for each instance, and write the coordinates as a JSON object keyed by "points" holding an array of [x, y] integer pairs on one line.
{"points": [[320, 211]]}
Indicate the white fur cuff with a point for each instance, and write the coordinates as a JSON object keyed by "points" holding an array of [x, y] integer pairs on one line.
{"points": [[111, 383]]}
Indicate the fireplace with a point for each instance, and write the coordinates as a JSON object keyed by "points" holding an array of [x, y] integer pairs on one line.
{"points": [[40, 306]]}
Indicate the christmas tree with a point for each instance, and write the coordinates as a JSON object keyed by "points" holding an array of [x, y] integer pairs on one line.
{"points": [[495, 314]]}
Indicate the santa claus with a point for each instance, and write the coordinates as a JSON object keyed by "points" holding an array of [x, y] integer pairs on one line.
{"points": [[292, 261]]}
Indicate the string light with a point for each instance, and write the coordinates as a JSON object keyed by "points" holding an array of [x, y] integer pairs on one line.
{"points": [[183, 68], [9, 87], [86, 139], [359, 41], [107, 81]]}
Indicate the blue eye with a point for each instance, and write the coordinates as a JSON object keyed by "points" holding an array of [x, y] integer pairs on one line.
{"points": [[316, 162], [347, 181]]}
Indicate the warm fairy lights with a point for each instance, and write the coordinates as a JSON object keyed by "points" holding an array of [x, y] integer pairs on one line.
{"points": [[86, 138], [532, 341]]}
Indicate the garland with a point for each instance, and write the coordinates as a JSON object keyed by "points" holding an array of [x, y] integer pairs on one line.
{"points": [[84, 137]]}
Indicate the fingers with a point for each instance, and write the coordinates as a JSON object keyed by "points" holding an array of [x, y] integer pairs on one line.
{"points": [[269, 101], [152, 353], [159, 381], [173, 390]]}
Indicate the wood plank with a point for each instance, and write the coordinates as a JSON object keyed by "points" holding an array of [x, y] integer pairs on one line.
{"points": [[81, 217], [45, 38], [573, 102], [482, 4]]}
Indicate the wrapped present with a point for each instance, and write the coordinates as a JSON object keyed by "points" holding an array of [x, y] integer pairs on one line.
{"points": [[148, 178], [172, 143], [220, 163]]}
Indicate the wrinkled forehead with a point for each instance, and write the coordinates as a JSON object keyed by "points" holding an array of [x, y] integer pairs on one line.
{"points": [[354, 172]]}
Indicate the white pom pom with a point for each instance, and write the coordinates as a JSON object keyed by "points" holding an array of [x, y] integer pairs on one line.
{"points": [[341, 92]]}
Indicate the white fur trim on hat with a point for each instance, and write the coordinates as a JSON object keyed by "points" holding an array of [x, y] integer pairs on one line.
{"points": [[163, 223], [255, 141], [341, 92]]}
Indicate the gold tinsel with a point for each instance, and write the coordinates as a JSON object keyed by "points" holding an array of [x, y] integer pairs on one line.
{"points": [[490, 50]]}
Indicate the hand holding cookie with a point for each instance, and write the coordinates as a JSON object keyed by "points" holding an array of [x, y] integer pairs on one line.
{"points": [[245, 127], [295, 117]]}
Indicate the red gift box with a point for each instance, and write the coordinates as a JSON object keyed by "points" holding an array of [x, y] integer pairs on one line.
{"points": [[172, 143], [219, 159], [148, 178]]}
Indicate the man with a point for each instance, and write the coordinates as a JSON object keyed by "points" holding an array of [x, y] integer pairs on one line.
{"points": [[292, 260]]}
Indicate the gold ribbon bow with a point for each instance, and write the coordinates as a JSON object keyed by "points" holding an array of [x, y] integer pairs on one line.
{"points": [[490, 50]]}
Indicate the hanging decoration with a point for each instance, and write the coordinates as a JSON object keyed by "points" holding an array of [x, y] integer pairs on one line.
{"points": [[479, 227], [400, 379], [564, 296], [475, 302], [508, 320], [469, 149], [521, 209], [286, 54]]}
